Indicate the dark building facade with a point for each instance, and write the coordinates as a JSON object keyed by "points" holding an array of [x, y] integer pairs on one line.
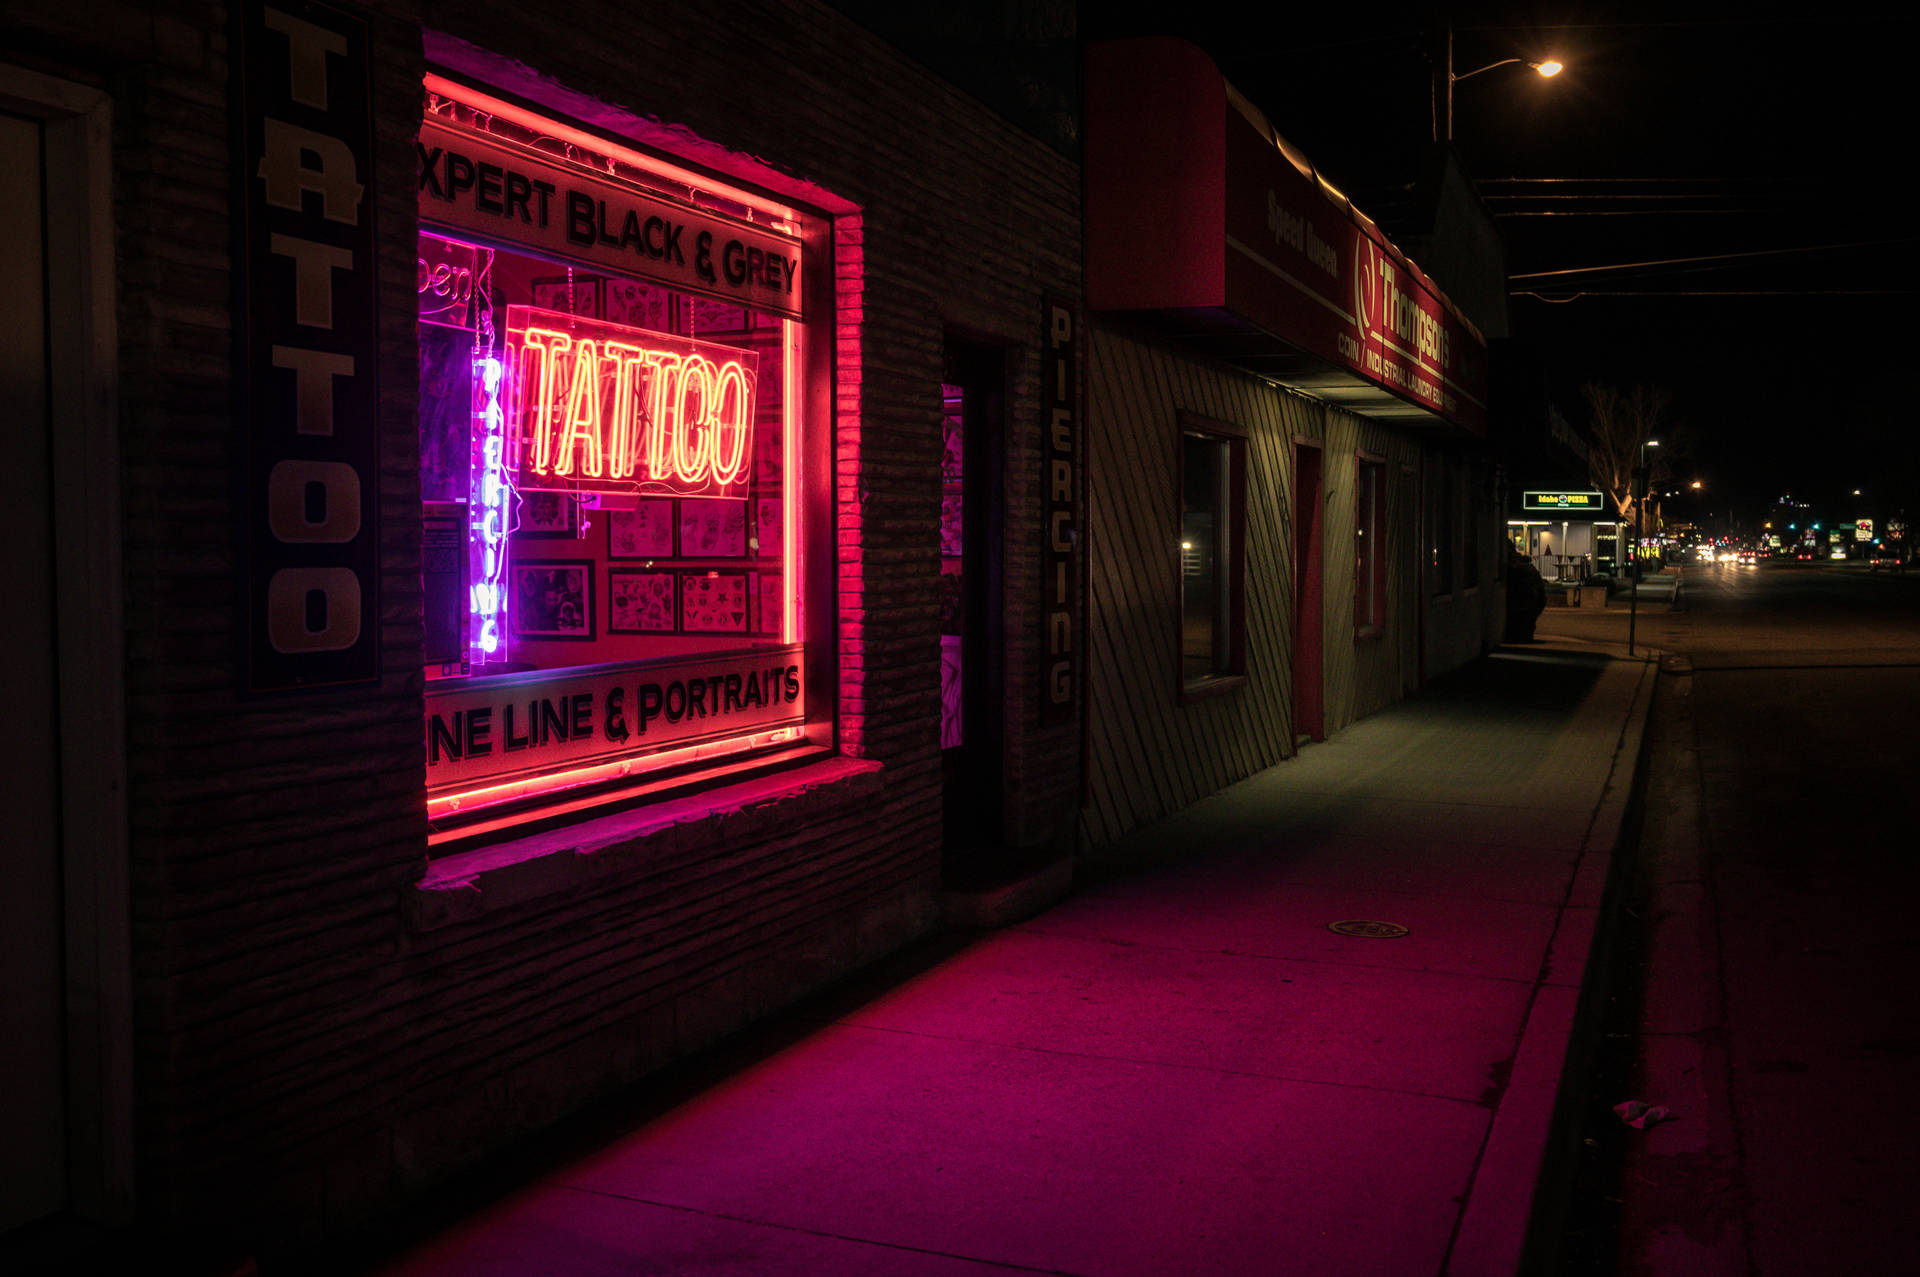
{"points": [[551, 536]]}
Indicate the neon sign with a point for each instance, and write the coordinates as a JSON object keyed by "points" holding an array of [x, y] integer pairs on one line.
{"points": [[600, 407], [489, 507]]}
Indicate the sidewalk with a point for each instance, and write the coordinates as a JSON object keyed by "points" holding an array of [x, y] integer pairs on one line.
{"points": [[1180, 1069], [1605, 630]]}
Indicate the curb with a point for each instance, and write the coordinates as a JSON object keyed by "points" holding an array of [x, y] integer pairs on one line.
{"points": [[1516, 1200]]}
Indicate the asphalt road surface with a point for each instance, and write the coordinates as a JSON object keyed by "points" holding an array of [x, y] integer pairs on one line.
{"points": [[1769, 983]]}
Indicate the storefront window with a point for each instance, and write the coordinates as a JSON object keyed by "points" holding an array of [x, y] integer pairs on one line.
{"points": [[610, 436], [1212, 486]]}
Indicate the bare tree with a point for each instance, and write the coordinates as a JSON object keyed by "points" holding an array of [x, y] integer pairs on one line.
{"points": [[1622, 422]]}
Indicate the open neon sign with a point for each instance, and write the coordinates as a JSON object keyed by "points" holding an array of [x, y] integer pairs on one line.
{"points": [[600, 407], [489, 508]]}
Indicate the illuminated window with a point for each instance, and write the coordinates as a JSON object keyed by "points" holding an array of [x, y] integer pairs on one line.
{"points": [[613, 372], [1369, 545], [1212, 558]]}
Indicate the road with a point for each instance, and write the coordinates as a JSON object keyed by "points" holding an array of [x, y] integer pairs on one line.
{"points": [[1767, 988]]}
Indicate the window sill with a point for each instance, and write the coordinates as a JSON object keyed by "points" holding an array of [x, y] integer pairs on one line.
{"points": [[1207, 688], [469, 885]]}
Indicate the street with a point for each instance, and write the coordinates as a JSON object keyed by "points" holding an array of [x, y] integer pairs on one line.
{"points": [[1765, 991]]}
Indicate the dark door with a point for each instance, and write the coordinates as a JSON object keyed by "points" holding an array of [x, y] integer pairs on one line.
{"points": [[972, 432], [33, 1172]]}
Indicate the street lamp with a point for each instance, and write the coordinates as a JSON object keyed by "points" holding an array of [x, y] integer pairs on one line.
{"points": [[1445, 79]]}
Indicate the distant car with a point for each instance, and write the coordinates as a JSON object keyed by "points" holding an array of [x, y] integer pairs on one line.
{"points": [[1749, 558], [1887, 559], [1804, 554]]}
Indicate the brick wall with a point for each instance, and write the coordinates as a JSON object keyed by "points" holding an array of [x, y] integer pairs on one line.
{"points": [[313, 1031]]}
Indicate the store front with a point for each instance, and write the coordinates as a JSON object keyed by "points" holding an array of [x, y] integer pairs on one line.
{"points": [[536, 449], [1292, 482], [1566, 534]]}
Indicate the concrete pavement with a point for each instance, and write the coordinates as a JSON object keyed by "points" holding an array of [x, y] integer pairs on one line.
{"points": [[1180, 1069]]}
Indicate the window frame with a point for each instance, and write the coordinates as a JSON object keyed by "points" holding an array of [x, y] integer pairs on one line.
{"points": [[811, 380], [1231, 549]]}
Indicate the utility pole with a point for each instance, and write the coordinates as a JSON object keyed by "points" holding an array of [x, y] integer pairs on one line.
{"points": [[1639, 506]]}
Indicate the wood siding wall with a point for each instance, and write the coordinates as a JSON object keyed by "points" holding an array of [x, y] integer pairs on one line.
{"points": [[1148, 754]]}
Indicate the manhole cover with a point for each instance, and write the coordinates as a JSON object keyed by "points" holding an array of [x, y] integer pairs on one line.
{"points": [[1368, 930]]}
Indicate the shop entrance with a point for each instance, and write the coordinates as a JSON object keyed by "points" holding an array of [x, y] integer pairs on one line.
{"points": [[66, 1134], [973, 430], [33, 1170], [1309, 714]]}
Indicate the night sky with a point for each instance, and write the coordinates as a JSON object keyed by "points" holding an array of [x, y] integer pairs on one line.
{"points": [[1700, 131]]}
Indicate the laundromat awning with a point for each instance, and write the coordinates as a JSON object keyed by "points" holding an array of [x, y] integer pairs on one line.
{"points": [[1203, 223]]}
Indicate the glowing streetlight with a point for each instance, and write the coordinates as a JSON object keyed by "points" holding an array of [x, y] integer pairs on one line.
{"points": [[1445, 79], [1548, 68]]}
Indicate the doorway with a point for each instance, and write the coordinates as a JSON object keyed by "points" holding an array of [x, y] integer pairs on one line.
{"points": [[32, 969], [973, 432], [65, 983], [1309, 705]]}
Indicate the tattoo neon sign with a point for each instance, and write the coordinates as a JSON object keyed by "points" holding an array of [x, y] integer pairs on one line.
{"points": [[600, 407]]}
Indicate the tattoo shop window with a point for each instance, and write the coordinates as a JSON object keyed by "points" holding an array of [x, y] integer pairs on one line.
{"points": [[611, 444], [1369, 545], [1212, 555]]}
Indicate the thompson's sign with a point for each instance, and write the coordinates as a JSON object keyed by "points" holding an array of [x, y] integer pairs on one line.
{"points": [[504, 192], [307, 326], [1568, 502], [522, 725], [1312, 271], [1195, 205]]}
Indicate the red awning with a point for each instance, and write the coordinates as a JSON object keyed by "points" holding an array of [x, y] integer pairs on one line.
{"points": [[1204, 223]]}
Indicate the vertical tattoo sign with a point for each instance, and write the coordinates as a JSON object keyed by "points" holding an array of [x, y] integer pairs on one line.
{"points": [[1059, 489], [307, 326]]}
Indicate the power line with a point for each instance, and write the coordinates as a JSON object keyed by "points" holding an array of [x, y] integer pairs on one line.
{"points": [[1714, 292], [1712, 257], [1634, 212], [1641, 181]]}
